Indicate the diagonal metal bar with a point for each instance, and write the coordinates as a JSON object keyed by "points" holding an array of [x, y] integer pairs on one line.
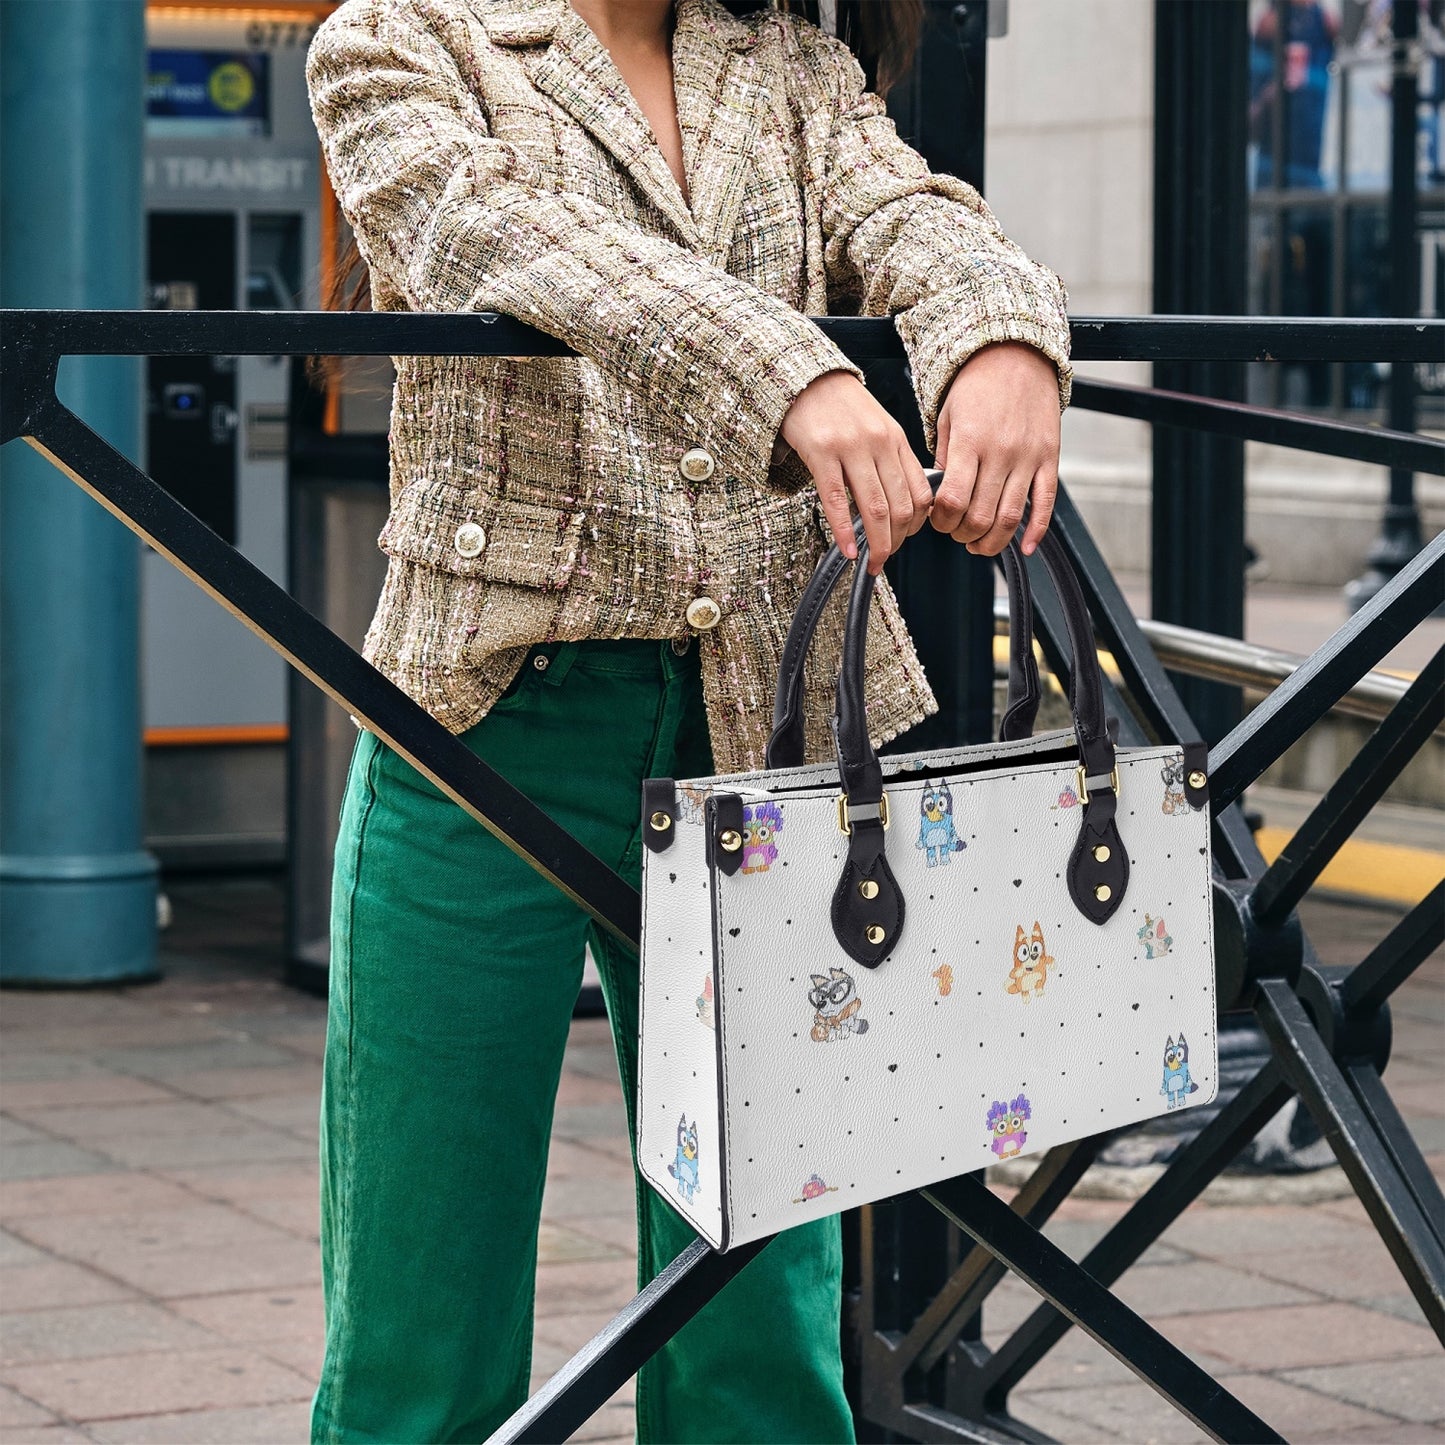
{"points": [[1323, 1089], [1161, 1364], [1396, 956], [963, 1293], [1295, 705], [314, 650], [624, 1344], [1144, 679], [1375, 445], [1196, 1164], [1351, 796], [1385, 1119]]}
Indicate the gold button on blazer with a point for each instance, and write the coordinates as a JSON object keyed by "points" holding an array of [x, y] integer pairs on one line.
{"points": [[489, 157]]}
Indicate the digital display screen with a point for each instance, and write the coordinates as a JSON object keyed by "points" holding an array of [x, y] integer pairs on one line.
{"points": [[208, 93]]}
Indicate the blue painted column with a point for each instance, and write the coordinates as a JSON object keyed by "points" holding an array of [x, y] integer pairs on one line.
{"points": [[77, 889]]}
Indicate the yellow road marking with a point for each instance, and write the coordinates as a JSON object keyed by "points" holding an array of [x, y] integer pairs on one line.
{"points": [[1386, 872]]}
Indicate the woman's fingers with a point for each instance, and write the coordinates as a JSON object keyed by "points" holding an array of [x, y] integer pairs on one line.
{"points": [[1008, 512], [833, 497], [851, 446], [978, 516], [1041, 511], [874, 506], [955, 492], [919, 491]]}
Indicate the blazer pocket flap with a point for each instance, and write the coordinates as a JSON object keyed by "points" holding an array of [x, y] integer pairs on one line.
{"points": [[526, 544]]}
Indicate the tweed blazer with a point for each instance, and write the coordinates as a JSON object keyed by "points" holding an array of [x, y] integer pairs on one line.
{"points": [[489, 157]]}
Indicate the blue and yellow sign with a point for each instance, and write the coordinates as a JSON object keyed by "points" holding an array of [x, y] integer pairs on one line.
{"points": [[208, 93]]}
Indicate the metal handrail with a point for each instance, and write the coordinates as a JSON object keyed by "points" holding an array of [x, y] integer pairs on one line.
{"points": [[1247, 664]]}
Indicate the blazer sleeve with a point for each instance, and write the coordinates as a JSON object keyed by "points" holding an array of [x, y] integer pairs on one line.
{"points": [[924, 248], [454, 219]]}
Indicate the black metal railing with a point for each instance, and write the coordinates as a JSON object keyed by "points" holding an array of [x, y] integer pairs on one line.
{"points": [[918, 1362]]}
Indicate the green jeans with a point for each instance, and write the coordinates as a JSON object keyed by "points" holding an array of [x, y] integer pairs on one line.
{"points": [[454, 969]]}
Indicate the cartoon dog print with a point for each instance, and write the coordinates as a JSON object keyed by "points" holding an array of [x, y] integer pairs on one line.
{"points": [[1031, 963]]}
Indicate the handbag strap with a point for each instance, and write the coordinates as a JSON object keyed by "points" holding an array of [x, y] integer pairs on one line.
{"points": [[786, 742], [868, 907], [1086, 685]]}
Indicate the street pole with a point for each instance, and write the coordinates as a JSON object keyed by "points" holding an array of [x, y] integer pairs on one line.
{"points": [[1400, 535], [77, 889]]}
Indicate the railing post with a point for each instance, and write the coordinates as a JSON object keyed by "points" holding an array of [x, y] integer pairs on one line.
{"points": [[77, 890], [1200, 229], [945, 593], [1400, 536]]}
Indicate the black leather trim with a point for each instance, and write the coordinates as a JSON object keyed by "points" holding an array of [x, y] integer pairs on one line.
{"points": [[785, 746], [1021, 707], [1196, 760], [659, 795], [859, 771], [1085, 872], [724, 814], [851, 913]]}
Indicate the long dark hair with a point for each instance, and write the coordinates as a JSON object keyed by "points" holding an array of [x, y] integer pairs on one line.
{"points": [[883, 34]]}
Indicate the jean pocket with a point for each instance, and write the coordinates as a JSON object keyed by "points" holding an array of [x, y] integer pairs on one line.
{"points": [[519, 690]]}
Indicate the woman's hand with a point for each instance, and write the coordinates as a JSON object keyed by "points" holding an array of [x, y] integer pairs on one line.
{"points": [[998, 444], [852, 446]]}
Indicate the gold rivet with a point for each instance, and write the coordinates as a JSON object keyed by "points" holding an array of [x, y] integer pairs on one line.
{"points": [[868, 888], [1197, 780], [731, 840], [875, 933], [660, 822], [1103, 893], [1101, 853]]}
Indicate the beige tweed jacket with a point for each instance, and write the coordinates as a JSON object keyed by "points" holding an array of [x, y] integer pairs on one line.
{"points": [[489, 157]]}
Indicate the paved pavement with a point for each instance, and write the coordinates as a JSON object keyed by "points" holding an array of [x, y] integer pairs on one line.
{"points": [[158, 1260]]}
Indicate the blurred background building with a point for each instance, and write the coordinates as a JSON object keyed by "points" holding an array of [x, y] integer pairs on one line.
{"points": [[1071, 172]]}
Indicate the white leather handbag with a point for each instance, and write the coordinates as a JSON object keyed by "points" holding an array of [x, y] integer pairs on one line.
{"points": [[859, 980]]}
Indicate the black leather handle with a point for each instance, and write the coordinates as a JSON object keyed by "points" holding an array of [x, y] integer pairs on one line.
{"points": [[1021, 706], [1086, 684], [868, 906], [786, 743]]}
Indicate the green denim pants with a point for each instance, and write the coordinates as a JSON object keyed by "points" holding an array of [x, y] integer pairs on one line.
{"points": [[454, 969]]}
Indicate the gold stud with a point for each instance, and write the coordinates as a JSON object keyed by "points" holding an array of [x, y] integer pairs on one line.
{"points": [[1101, 853], [868, 888], [660, 822], [731, 840], [1197, 780], [1103, 893], [875, 933]]}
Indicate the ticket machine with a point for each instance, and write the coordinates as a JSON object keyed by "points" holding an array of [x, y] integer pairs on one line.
{"points": [[233, 190]]}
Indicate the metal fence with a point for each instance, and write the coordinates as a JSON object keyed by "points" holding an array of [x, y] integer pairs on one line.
{"points": [[917, 1361]]}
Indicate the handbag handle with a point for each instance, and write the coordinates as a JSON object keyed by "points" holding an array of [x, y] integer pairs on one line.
{"points": [[785, 743], [868, 905]]}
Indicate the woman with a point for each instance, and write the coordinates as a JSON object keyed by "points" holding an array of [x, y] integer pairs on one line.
{"points": [[593, 561]]}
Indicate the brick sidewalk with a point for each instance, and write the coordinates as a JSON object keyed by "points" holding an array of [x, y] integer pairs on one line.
{"points": [[159, 1259]]}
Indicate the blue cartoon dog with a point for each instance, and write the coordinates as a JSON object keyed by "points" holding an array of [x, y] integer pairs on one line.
{"points": [[936, 833], [684, 1166], [1177, 1084]]}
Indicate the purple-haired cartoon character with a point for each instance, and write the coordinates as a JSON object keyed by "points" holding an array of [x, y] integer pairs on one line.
{"points": [[762, 822], [1006, 1122]]}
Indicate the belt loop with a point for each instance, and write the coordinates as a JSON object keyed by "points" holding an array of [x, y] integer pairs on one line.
{"points": [[562, 655], [676, 656]]}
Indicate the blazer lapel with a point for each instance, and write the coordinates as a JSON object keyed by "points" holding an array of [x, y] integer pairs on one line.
{"points": [[721, 97], [579, 75]]}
